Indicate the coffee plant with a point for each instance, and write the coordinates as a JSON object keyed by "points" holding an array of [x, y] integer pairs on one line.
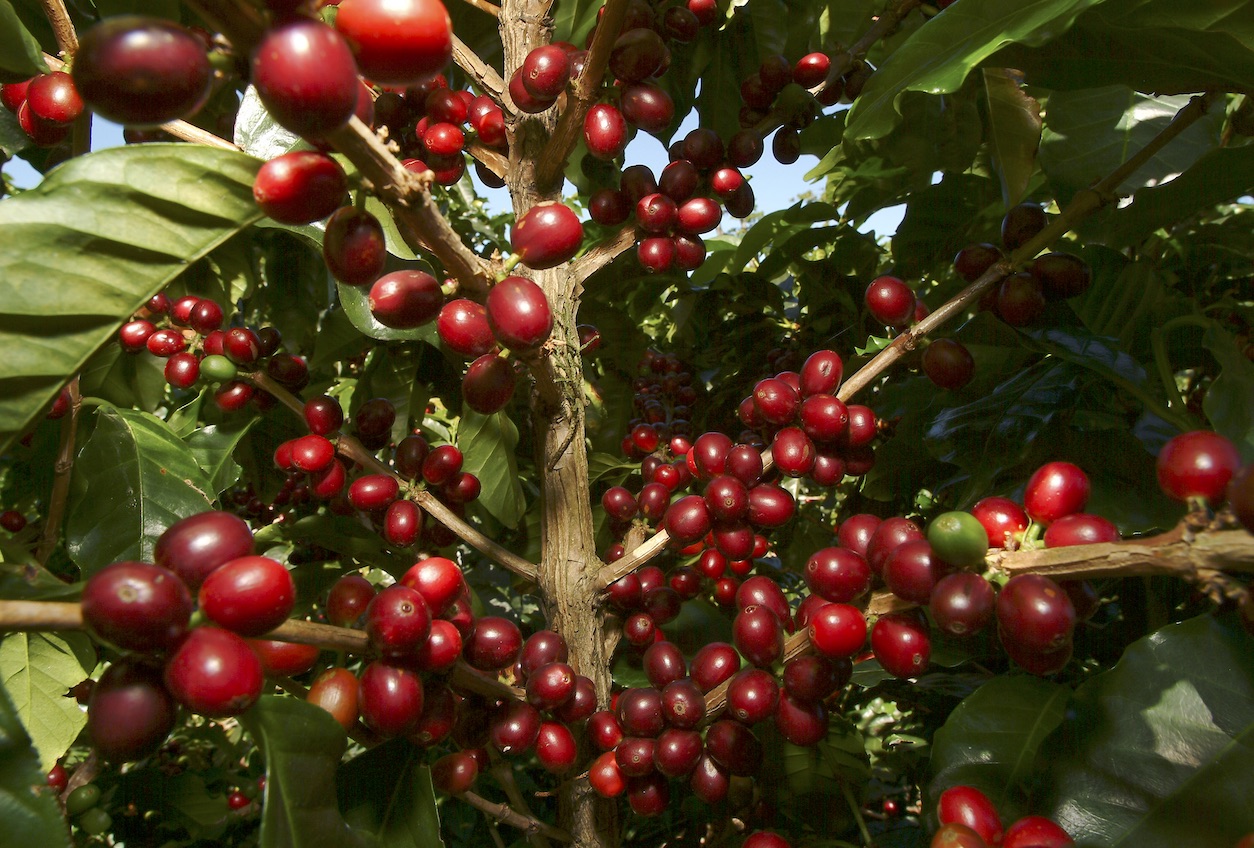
{"points": [[339, 509]]}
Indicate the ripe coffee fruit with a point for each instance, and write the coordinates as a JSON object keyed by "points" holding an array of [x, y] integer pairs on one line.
{"points": [[390, 699], [968, 806], [354, 247], [519, 314], [250, 596], [142, 71], [1197, 464], [194, 546], [901, 644], [397, 41], [948, 364], [130, 712], [1054, 490], [546, 235], [406, 299], [1021, 224], [300, 187], [214, 673], [306, 76], [890, 301], [1035, 613], [136, 606]]}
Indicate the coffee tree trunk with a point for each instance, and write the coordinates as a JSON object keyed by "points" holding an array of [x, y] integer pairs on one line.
{"points": [[568, 564]]}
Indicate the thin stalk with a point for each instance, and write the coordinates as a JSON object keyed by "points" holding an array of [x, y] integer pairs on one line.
{"points": [[61, 481], [62, 26], [502, 813]]}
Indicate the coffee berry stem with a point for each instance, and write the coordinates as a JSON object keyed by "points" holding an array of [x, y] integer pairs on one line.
{"points": [[504, 814], [60, 494]]}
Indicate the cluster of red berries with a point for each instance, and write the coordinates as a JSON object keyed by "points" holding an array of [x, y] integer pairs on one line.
{"points": [[315, 472], [764, 91], [144, 610], [969, 819], [188, 334], [45, 106]]}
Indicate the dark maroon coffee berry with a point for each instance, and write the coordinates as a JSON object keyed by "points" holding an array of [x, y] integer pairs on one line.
{"points": [[489, 384], [948, 364], [136, 606], [194, 546], [306, 76], [1021, 224], [518, 313], [354, 247], [406, 299], [890, 301], [300, 187], [142, 71], [130, 712], [463, 327]]}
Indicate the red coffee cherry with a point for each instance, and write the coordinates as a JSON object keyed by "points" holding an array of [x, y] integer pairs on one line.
{"points": [[306, 76], [214, 673], [130, 712], [397, 43], [136, 606], [300, 187], [250, 596], [1197, 464], [194, 546]]}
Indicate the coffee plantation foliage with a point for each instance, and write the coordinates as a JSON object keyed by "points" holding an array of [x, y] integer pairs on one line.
{"points": [[1142, 738]]}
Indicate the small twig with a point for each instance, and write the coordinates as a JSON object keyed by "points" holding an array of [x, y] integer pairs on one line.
{"points": [[481, 73], [504, 774], [62, 26], [350, 447], [1082, 205], [884, 25], [502, 813], [601, 255], [485, 6], [61, 481], [552, 162]]}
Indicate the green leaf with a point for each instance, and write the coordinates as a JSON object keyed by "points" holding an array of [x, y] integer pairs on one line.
{"points": [[257, 133], [302, 746], [388, 792], [1155, 752], [38, 669], [996, 431], [87, 247], [1089, 133], [1160, 46], [1014, 131], [1228, 400], [133, 479], [927, 234], [1221, 174], [20, 54], [487, 443], [30, 817], [990, 740], [213, 447], [810, 778], [940, 54]]}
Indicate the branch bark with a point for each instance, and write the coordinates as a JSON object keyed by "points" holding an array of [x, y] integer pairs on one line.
{"points": [[62, 26], [505, 815], [587, 87]]}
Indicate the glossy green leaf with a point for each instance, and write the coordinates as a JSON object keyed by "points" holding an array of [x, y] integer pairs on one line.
{"points": [[996, 431], [388, 792], [808, 778], [302, 746], [487, 443], [940, 54], [133, 479], [1014, 132], [1229, 402], [927, 234], [37, 670], [20, 55], [1220, 174], [98, 237], [30, 817], [990, 741], [1089, 133], [1094, 353], [1155, 752], [213, 447], [1158, 46]]}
